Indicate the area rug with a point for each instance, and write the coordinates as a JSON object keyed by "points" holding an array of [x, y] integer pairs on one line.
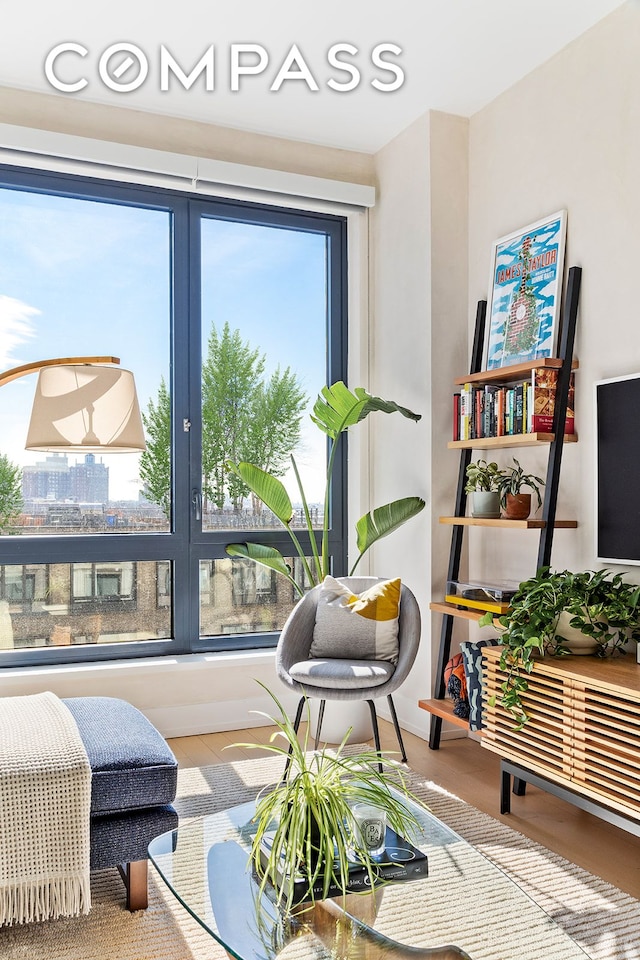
{"points": [[604, 921]]}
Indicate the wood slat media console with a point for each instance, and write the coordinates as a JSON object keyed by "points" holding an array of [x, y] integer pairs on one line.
{"points": [[583, 731]]}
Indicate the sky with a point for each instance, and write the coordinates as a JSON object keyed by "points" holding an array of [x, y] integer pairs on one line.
{"points": [[90, 278]]}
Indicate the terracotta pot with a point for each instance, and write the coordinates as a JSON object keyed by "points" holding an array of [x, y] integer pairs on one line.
{"points": [[518, 506]]}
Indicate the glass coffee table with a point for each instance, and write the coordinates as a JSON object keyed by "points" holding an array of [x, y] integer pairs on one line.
{"points": [[465, 908]]}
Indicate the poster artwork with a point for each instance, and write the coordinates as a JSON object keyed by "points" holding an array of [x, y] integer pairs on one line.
{"points": [[526, 287]]}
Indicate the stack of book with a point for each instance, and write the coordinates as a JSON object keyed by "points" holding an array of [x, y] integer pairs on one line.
{"points": [[524, 406], [399, 862]]}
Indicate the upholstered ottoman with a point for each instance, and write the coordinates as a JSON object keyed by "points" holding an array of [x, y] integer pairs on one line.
{"points": [[134, 779]]}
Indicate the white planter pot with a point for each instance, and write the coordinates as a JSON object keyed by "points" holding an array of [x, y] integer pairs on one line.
{"points": [[575, 640], [485, 504], [339, 715]]}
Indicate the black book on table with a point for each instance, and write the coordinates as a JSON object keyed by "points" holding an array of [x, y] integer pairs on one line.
{"points": [[400, 861]]}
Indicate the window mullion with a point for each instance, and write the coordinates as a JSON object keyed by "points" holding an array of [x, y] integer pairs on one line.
{"points": [[184, 545]]}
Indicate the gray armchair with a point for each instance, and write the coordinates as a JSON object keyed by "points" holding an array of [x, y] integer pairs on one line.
{"points": [[346, 679]]}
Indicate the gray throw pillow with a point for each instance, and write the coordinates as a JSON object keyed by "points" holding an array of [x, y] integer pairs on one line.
{"points": [[357, 626]]}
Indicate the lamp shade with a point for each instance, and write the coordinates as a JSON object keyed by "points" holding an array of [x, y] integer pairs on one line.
{"points": [[85, 408]]}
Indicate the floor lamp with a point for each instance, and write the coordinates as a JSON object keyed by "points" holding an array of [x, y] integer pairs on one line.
{"points": [[82, 405]]}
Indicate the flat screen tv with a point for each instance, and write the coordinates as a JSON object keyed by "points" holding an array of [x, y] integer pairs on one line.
{"points": [[618, 469]]}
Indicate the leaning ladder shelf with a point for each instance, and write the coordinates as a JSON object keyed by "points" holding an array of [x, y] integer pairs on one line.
{"points": [[438, 706]]}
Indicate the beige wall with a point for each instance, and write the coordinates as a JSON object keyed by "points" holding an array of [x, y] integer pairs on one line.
{"points": [[417, 342], [66, 115], [568, 136], [185, 695], [399, 358], [449, 353]]}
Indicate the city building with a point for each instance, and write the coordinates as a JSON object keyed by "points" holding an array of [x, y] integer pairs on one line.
{"points": [[55, 479], [89, 481], [48, 479]]}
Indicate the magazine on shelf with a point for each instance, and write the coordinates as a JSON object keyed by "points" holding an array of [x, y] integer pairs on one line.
{"points": [[399, 862], [544, 381]]}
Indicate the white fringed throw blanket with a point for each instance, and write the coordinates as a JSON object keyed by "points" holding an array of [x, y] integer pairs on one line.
{"points": [[45, 800]]}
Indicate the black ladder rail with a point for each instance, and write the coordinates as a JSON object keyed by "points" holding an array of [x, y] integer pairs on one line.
{"points": [[435, 728], [567, 338]]}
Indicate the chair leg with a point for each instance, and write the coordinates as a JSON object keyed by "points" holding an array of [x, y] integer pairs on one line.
{"points": [[376, 733], [296, 724], [320, 719], [135, 876], [394, 717], [298, 718]]}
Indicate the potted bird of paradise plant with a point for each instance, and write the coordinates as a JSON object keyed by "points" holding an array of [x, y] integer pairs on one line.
{"points": [[336, 410]]}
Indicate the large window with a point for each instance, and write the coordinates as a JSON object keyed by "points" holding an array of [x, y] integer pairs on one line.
{"points": [[232, 317]]}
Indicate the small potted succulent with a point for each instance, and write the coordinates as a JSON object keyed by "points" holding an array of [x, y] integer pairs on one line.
{"points": [[483, 484], [547, 611], [512, 481]]}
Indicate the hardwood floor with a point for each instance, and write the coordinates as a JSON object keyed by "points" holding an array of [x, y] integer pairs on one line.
{"points": [[465, 769]]}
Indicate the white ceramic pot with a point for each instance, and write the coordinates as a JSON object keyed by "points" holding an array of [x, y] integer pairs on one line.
{"points": [[485, 504], [579, 643], [339, 716]]}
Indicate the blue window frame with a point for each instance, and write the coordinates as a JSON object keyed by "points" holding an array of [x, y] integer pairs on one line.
{"points": [[168, 233]]}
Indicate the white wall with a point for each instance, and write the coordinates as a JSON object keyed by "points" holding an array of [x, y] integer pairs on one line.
{"points": [[180, 695], [63, 114], [449, 350], [198, 694], [399, 364], [418, 338], [568, 136]]}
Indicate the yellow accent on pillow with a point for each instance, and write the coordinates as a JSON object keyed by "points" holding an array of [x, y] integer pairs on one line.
{"points": [[380, 602], [357, 627]]}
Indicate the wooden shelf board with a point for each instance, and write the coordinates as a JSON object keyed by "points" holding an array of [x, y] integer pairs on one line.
{"points": [[439, 606], [515, 372], [444, 709], [509, 440], [502, 522]]}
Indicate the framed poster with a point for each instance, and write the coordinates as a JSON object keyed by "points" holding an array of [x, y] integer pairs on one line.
{"points": [[525, 289]]}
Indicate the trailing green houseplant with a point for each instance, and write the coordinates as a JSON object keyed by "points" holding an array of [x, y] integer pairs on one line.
{"points": [[512, 482], [600, 605], [336, 409], [307, 816]]}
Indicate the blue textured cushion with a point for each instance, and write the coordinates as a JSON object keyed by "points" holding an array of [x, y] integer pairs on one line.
{"points": [[123, 837], [472, 659], [132, 765]]}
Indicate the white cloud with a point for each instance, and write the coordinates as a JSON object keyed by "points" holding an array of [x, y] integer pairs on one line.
{"points": [[16, 327]]}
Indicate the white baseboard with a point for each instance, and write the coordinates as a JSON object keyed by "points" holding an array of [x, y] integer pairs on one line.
{"points": [[191, 695]]}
